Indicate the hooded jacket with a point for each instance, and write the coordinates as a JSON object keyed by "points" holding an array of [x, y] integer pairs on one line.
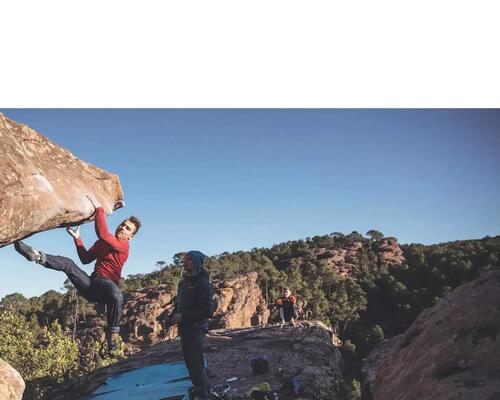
{"points": [[195, 298]]}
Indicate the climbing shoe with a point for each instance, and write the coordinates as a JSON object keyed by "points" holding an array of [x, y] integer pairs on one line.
{"points": [[192, 395], [219, 391], [113, 342], [27, 252]]}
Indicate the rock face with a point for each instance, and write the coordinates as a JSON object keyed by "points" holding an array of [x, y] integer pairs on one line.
{"points": [[346, 260], [240, 305], [11, 383], [389, 252], [451, 351], [141, 321], [305, 352], [43, 186]]}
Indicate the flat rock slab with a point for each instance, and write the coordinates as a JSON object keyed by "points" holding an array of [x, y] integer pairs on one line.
{"points": [[43, 186], [305, 352]]}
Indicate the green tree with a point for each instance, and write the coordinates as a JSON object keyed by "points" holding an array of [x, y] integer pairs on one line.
{"points": [[15, 301], [347, 301], [375, 235], [42, 361], [376, 335]]}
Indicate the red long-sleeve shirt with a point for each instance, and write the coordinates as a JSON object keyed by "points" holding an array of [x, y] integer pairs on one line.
{"points": [[110, 252], [288, 305]]}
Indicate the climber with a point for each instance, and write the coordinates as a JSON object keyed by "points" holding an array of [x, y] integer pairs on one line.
{"points": [[286, 305], [193, 306], [110, 251]]}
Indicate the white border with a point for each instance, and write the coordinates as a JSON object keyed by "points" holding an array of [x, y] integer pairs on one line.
{"points": [[250, 54]]}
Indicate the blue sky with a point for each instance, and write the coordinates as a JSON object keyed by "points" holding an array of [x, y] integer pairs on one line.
{"points": [[225, 180]]}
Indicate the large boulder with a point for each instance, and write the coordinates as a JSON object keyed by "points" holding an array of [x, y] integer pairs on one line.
{"points": [[451, 351], [43, 186], [305, 352], [11, 382]]}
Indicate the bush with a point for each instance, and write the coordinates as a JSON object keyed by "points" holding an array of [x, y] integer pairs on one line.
{"points": [[42, 361]]}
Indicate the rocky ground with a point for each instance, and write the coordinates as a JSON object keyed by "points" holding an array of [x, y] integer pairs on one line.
{"points": [[305, 352]]}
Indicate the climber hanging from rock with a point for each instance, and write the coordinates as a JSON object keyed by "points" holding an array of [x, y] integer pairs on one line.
{"points": [[110, 251]]}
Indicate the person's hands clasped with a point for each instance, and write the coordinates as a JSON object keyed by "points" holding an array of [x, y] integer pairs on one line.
{"points": [[172, 320], [176, 318]]}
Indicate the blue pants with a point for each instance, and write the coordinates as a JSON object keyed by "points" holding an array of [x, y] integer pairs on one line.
{"points": [[192, 349], [93, 288]]}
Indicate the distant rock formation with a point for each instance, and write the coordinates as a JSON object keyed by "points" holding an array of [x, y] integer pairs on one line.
{"points": [[240, 305], [451, 351], [43, 186], [389, 252], [346, 260], [11, 383], [142, 314], [305, 352]]}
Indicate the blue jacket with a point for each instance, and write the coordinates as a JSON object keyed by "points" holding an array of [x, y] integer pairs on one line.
{"points": [[195, 298]]}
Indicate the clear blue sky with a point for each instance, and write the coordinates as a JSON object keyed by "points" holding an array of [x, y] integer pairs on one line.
{"points": [[228, 180]]}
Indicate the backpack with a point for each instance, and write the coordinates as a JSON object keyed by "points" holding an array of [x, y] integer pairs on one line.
{"points": [[293, 386], [259, 365]]}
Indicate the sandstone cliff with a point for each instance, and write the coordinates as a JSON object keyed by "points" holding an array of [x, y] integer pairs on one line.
{"points": [[451, 351], [240, 303], [389, 252], [43, 186], [347, 260]]}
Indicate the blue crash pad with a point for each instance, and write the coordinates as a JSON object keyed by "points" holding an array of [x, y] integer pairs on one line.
{"points": [[155, 382]]}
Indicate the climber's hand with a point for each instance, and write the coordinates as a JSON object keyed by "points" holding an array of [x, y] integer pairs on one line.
{"points": [[119, 204], [75, 233], [95, 203]]}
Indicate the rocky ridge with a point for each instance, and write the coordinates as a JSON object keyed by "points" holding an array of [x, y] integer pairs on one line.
{"points": [[451, 351], [346, 260]]}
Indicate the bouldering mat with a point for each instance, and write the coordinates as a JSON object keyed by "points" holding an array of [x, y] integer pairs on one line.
{"points": [[155, 382]]}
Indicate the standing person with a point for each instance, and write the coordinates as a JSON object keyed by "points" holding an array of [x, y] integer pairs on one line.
{"points": [[103, 285], [286, 304], [193, 307]]}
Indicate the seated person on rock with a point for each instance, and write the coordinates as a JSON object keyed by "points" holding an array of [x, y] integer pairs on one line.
{"points": [[110, 251], [286, 305]]}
